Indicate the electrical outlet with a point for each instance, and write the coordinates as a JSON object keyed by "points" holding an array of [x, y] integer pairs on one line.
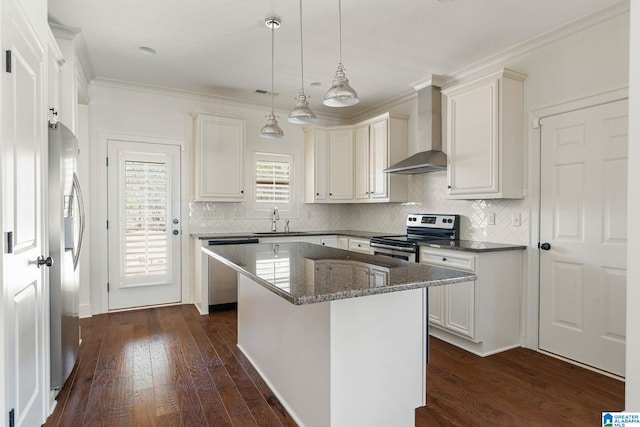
{"points": [[515, 219], [491, 218]]}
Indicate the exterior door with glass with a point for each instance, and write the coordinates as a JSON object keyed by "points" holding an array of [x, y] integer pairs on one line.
{"points": [[144, 224]]}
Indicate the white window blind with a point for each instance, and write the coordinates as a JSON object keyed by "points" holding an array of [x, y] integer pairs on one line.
{"points": [[273, 181], [145, 218]]}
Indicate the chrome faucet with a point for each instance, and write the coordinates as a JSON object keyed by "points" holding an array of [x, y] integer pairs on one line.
{"points": [[286, 226], [275, 217]]}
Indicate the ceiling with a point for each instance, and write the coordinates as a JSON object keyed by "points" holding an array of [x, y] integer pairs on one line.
{"points": [[222, 47]]}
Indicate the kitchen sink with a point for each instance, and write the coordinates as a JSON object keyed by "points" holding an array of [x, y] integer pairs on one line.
{"points": [[281, 233]]}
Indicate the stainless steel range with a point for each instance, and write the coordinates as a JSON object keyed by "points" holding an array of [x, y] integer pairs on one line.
{"points": [[421, 228]]}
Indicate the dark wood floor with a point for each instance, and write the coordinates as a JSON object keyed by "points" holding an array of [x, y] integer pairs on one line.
{"points": [[172, 367]]}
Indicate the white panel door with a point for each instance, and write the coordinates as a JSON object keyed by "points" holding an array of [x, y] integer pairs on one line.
{"points": [[24, 302], [144, 224], [583, 219]]}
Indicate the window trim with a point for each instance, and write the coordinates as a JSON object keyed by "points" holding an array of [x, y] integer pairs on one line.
{"points": [[254, 209]]}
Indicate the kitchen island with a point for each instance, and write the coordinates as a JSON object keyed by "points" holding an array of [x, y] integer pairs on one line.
{"points": [[340, 337]]}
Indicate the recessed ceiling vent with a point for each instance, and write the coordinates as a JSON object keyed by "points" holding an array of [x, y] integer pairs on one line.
{"points": [[266, 92]]}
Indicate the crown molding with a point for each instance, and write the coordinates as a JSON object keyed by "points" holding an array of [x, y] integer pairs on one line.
{"points": [[64, 31], [195, 96]]}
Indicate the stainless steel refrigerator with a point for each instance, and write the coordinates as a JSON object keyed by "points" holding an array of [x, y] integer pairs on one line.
{"points": [[66, 227]]}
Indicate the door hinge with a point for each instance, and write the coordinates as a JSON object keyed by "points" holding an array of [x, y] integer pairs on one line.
{"points": [[537, 122], [9, 242], [12, 418], [107, 224], [107, 162], [7, 56], [108, 287]]}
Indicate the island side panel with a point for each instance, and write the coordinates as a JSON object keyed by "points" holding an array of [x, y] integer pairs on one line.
{"points": [[289, 345], [378, 359]]}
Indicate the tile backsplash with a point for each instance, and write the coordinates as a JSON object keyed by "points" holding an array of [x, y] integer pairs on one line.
{"points": [[428, 193]]}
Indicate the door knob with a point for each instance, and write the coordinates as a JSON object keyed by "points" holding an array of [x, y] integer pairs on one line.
{"points": [[48, 261], [544, 246]]}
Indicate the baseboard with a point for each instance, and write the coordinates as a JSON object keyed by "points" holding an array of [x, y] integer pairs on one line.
{"points": [[52, 401], [223, 307], [85, 310]]}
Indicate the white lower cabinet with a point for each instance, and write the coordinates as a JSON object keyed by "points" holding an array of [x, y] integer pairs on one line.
{"points": [[482, 316], [359, 245], [330, 241], [316, 240], [343, 243]]}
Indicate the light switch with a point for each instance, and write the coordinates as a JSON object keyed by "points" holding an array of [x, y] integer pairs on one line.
{"points": [[491, 218], [515, 219]]}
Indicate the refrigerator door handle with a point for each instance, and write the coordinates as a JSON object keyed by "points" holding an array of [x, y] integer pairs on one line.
{"points": [[78, 191]]}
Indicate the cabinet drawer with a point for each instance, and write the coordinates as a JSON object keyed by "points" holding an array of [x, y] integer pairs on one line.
{"points": [[448, 259], [359, 245]]}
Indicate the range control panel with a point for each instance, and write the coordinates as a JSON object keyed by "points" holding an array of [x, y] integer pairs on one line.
{"points": [[446, 222]]}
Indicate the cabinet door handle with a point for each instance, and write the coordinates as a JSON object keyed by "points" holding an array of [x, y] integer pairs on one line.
{"points": [[444, 259], [331, 194], [317, 194]]}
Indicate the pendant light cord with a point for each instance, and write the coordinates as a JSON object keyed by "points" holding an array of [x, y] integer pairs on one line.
{"points": [[273, 49], [340, 31], [301, 49]]}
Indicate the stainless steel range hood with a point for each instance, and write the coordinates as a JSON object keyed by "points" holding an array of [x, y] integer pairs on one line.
{"points": [[432, 159]]}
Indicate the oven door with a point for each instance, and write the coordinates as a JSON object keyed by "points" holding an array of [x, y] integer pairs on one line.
{"points": [[390, 252]]}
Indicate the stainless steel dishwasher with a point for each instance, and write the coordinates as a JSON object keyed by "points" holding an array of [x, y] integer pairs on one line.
{"points": [[223, 280]]}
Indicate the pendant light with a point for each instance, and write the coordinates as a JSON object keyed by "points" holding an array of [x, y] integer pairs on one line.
{"points": [[271, 130], [340, 94], [302, 113]]}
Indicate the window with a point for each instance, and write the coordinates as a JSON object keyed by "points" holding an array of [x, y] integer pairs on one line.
{"points": [[273, 184], [145, 218]]}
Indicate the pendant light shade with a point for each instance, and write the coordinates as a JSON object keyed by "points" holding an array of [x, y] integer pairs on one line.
{"points": [[341, 94], [302, 113], [272, 130]]}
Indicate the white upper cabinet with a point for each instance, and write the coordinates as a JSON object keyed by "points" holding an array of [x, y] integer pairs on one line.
{"points": [[353, 160], [485, 137], [64, 62], [218, 157], [361, 167], [315, 149], [340, 165], [55, 60]]}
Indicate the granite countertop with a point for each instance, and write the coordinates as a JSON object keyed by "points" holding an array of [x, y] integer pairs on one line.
{"points": [[252, 234], [304, 273], [471, 245]]}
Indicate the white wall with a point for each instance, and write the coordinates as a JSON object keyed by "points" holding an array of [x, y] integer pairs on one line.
{"points": [[84, 177], [632, 388]]}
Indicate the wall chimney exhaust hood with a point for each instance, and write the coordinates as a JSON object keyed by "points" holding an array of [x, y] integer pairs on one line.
{"points": [[429, 136]]}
